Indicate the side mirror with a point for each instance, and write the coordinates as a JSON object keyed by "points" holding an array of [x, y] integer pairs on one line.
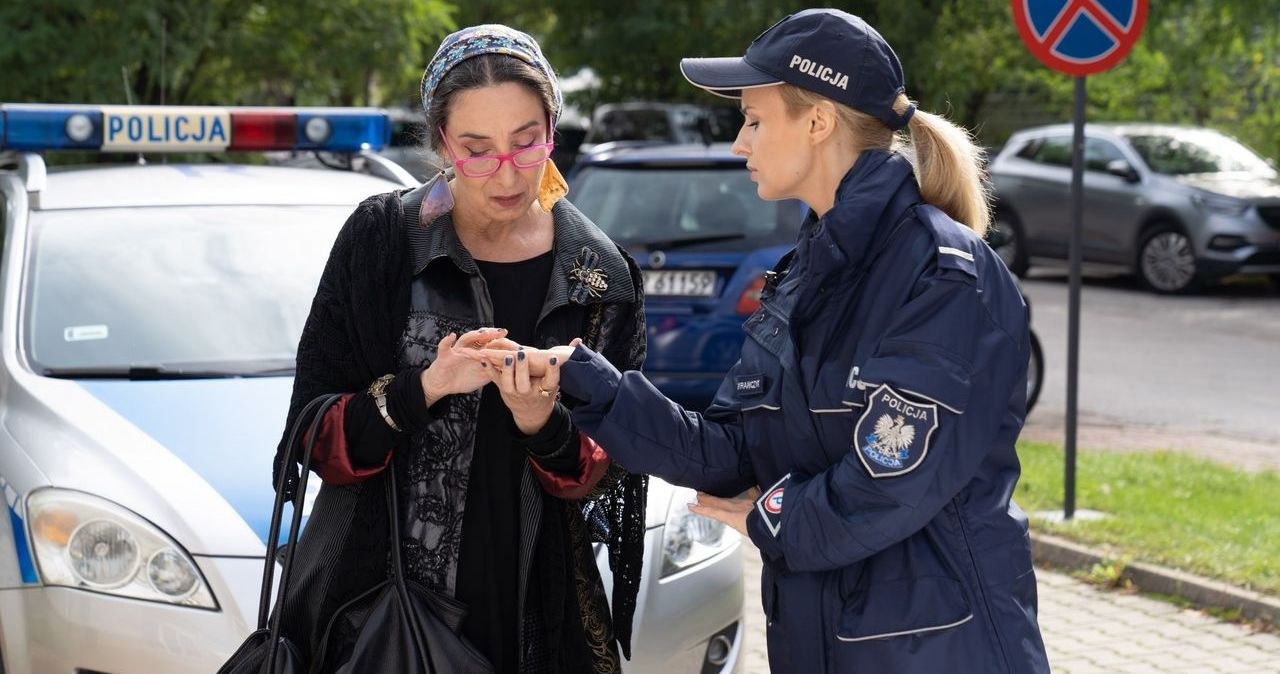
{"points": [[1121, 168]]}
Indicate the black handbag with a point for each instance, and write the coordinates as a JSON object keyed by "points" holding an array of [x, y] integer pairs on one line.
{"points": [[395, 626]]}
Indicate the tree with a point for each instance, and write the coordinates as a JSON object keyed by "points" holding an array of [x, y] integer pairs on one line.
{"points": [[249, 52], [1203, 62], [636, 45]]}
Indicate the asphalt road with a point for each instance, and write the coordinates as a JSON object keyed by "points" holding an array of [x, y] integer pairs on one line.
{"points": [[1198, 373]]}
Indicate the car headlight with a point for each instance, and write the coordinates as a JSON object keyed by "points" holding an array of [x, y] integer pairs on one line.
{"points": [[1223, 205], [87, 542], [689, 539]]}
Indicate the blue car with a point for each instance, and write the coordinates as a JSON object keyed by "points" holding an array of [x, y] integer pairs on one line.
{"points": [[690, 216]]}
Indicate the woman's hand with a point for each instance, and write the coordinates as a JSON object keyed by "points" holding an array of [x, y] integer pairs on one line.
{"points": [[531, 399], [731, 511], [496, 353], [453, 371]]}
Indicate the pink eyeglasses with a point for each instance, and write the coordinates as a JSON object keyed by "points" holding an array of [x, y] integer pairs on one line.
{"points": [[488, 164]]}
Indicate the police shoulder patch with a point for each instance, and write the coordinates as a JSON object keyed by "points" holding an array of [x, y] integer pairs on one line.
{"points": [[892, 436]]}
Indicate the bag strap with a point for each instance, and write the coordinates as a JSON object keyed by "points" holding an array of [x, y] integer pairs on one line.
{"points": [[277, 510], [398, 574], [315, 410]]}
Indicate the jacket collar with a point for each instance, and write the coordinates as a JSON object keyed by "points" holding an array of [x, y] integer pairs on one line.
{"points": [[880, 185], [589, 267]]}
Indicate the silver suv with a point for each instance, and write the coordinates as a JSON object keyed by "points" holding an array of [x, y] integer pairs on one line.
{"points": [[1178, 206]]}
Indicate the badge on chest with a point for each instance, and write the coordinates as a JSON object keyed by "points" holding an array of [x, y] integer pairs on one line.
{"points": [[892, 436]]}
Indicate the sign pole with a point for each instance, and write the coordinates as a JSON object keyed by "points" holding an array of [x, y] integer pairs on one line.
{"points": [[1078, 38], [1073, 304]]}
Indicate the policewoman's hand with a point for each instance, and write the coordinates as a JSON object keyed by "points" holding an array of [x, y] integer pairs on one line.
{"points": [[531, 399], [452, 371], [731, 511]]}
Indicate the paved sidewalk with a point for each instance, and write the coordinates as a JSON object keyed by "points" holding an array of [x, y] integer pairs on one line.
{"points": [[1092, 631]]}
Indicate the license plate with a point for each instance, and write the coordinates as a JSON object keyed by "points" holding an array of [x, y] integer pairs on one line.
{"points": [[680, 283]]}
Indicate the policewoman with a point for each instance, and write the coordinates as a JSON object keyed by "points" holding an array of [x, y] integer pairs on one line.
{"points": [[881, 386]]}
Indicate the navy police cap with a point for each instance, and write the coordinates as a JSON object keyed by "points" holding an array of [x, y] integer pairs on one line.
{"points": [[826, 51]]}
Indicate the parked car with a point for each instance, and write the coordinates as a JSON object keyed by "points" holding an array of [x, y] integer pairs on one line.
{"points": [[642, 123], [690, 215], [704, 240], [1178, 206], [149, 317]]}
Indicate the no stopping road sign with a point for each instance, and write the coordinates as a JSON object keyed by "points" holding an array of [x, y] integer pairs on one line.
{"points": [[1080, 37]]}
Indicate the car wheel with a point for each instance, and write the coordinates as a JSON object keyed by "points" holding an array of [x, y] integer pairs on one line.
{"points": [[1167, 261], [1011, 247], [1035, 372]]}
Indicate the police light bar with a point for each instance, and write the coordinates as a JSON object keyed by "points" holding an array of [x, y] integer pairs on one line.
{"points": [[148, 128]]}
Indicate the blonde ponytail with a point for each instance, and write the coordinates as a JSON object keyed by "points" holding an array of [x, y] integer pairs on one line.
{"points": [[949, 169], [947, 162]]}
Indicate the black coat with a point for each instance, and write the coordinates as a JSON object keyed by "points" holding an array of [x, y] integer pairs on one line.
{"points": [[353, 335]]}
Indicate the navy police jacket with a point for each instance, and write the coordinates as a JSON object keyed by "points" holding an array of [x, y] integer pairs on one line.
{"points": [[880, 391]]}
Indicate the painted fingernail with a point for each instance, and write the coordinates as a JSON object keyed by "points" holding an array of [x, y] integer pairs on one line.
{"points": [[508, 360], [553, 360], [520, 356]]}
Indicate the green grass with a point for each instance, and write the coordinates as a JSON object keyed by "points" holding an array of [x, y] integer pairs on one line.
{"points": [[1167, 508]]}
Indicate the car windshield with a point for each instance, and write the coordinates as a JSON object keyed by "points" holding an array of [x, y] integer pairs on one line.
{"points": [[202, 288], [667, 207], [1197, 151]]}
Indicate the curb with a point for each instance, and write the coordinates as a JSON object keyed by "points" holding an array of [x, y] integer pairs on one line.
{"points": [[1202, 592]]}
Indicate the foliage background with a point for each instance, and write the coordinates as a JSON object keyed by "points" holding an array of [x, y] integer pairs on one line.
{"points": [[1202, 62]]}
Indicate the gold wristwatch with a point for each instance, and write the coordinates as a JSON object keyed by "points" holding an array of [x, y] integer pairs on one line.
{"points": [[378, 389]]}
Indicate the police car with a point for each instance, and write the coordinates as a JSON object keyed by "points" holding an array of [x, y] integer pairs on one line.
{"points": [[148, 321]]}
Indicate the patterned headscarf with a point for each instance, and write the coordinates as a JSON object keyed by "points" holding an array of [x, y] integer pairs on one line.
{"points": [[487, 39]]}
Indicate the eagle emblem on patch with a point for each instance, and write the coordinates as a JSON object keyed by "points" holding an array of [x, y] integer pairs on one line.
{"points": [[892, 436]]}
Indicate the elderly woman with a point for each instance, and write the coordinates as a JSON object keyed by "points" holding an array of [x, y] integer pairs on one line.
{"points": [[493, 478]]}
